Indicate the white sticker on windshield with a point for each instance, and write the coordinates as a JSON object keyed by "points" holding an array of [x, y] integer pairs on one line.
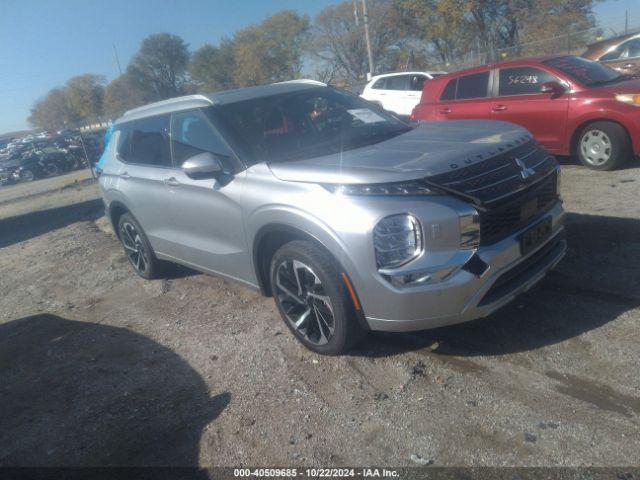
{"points": [[366, 116]]}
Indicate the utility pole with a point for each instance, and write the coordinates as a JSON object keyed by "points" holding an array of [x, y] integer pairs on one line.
{"points": [[626, 21], [355, 12], [366, 37], [115, 54]]}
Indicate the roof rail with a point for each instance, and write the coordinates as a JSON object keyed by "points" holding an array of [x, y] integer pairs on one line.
{"points": [[166, 103], [303, 80]]}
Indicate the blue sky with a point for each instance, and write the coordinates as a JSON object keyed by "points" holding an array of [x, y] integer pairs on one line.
{"points": [[45, 42]]}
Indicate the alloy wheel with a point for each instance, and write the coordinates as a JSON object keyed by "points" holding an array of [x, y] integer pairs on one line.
{"points": [[134, 247], [304, 301], [595, 146]]}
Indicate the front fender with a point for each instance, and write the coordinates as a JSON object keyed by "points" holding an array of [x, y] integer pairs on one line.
{"points": [[269, 217]]}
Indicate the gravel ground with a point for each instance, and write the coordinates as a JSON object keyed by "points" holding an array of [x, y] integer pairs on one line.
{"points": [[99, 367]]}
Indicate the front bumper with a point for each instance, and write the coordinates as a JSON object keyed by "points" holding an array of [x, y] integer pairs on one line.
{"points": [[465, 296]]}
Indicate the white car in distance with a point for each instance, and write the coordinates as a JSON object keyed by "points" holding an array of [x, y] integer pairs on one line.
{"points": [[397, 92]]}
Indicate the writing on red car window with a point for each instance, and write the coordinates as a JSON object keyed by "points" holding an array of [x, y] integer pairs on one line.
{"points": [[522, 79]]}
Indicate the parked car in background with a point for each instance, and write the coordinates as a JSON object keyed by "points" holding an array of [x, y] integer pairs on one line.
{"points": [[24, 168], [397, 92], [620, 53], [570, 104], [351, 219]]}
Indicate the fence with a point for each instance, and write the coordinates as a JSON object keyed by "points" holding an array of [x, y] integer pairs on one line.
{"points": [[573, 43]]}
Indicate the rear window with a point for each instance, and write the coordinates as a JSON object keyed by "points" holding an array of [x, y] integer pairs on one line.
{"points": [[379, 85], [473, 86], [449, 92], [145, 141], [467, 87], [400, 82], [417, 82]]}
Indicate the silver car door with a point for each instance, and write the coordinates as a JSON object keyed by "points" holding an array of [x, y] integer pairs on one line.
{"points": [[207, 213], [144, 153]]}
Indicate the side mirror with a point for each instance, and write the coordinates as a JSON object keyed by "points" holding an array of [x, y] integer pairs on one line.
{"points": [[554, 88], [203, 165]]}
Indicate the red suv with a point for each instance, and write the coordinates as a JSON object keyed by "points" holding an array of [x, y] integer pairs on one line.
{"points": [[570, 104]]}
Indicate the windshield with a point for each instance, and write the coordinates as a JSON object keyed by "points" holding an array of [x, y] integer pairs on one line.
{"points": [[299, 125], [585, 71]]}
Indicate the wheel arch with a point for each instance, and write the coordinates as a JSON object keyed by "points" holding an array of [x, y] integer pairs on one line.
{"points": [[116, 210], [271, 237], [573, 145], [267, 241]]}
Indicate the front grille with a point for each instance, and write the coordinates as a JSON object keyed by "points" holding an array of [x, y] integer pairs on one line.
{"points": [[501, 221], [510, 189]]}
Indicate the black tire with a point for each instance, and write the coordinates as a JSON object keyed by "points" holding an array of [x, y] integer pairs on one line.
{"points": [[138, 240], [346, 329], [52, 169], [612, 142]]}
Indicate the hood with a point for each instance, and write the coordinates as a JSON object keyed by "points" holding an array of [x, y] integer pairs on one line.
{"points": [[625, 86], [429, 149]]}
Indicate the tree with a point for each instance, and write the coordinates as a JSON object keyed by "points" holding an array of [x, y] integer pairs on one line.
{"points": [[212, 68], [159, 68], [270, 51], [85, 94], [339, 42], [52, 111], [80, 99], [452, 29], [122, 94]]}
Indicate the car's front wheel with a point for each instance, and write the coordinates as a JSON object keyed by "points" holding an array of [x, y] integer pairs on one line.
{"points": [[313, 299], [604, 146], [137, 247]]}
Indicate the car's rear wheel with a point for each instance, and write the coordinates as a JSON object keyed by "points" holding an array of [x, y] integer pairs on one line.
{"points": [[604, 146], [137, 247], [312, 298], [52, 169]]}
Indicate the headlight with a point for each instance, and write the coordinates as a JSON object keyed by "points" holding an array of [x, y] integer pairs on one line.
{"points": [[397, 188], [397, 239], [630, 98]]}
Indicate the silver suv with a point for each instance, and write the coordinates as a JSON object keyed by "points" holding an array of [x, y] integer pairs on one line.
{"points": [[351, 219]]}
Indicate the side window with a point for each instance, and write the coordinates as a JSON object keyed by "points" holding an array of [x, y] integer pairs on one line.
{"points": [[449, 92], [192, 134], [379, 85], [417, 82], [522, 81], [149, 142], [473, 86], [124, 141], [612, 55], [632, 48], [398, 82]]}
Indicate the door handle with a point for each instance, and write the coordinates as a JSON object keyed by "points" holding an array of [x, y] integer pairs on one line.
{"points": [[499, 108], [444, 111], [171, 182], [125, 176], [628, 65]]}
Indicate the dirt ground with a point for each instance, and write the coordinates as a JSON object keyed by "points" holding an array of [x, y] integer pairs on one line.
{"points": [[99, 367]]}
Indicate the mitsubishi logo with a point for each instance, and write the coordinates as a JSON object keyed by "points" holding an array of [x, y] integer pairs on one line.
{"points": [[525, 172]]}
